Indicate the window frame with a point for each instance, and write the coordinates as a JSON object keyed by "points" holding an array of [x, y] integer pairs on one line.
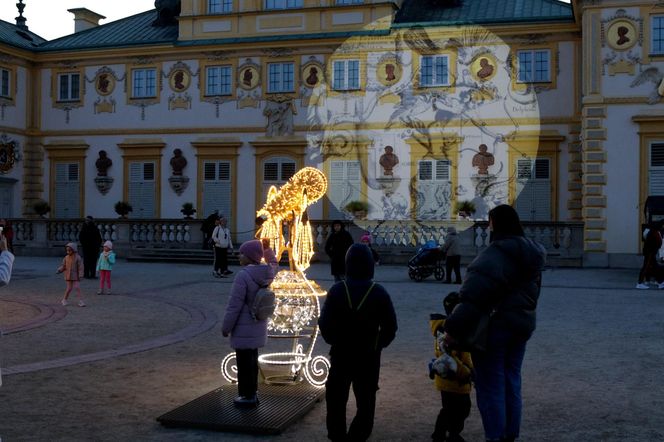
{"points": [[146, 86], [222, 92], [71, 81], [271, 5], [659, 17], [346, 74], [532, 72], [10, 83], [280, 74], [434, 73], [420, 88], [348, 2], [225, 6]]}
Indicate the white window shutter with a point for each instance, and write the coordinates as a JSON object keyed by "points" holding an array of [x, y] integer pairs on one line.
{"points": [[142, 189], [533, 187], [67, 190], [217, 188], [656, 170]]}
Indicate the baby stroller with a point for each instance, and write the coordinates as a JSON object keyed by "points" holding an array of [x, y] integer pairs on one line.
{"points": [[428, 260]]}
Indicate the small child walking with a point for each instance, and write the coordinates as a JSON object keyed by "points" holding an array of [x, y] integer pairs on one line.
{"points": [[451, 372], [105, 266], [72, 267]]}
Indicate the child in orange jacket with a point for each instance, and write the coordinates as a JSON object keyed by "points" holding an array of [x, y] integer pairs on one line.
{"points": [[72, 267], [451, 372]]}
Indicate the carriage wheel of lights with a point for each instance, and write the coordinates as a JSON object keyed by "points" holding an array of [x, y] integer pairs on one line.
{"points": [[297, 309]]}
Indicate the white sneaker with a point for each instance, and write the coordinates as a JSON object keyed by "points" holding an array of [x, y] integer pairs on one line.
{"points": [[643, 286], [81, 303], [64, 302]]}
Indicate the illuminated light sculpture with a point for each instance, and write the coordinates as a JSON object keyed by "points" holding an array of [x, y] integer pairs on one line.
{"points": [[295, 319]]}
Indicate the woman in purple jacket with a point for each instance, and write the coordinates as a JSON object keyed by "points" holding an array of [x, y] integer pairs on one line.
{"points": [[247, 335]]}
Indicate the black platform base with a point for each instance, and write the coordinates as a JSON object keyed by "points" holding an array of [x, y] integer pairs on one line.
{"points": [[280, 406]]}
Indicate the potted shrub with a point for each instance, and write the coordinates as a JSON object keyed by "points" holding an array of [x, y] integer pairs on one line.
{"points": [[188, 210], [122, 208], [41, 208], [359, 209], [465, 208]]}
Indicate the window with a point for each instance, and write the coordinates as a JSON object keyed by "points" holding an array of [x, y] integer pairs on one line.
{"points": [[281, 77], [434, 71], [220, 6], [142, 189], [346, 75], [345, 185], [434, 189], [533, 186], [349, 2], [283, 4], [144, 83], [67, 190], [69, 87], [276, 171], [218, 80], [657, 33], [534, 66], [217, 188], [5, 83], [656, 169]]}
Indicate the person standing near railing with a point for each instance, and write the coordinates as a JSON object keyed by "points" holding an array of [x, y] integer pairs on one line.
{"points": [[221, 236], [90, 240]]}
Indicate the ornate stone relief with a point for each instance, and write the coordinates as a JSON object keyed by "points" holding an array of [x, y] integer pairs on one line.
{"points": [[105, 82], [279, 111], [9, 153], [622, 38], [248, 84], [179, 79]]}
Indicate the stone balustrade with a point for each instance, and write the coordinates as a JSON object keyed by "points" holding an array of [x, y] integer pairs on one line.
{"points": [[395, 240]]}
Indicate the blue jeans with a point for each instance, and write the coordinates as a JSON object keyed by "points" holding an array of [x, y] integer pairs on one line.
{"points": [[498, 384]]}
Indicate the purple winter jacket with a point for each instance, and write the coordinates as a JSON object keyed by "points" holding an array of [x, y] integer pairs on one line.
{"points": [[245, 332]]}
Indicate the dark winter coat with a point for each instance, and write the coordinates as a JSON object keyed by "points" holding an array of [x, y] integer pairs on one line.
{"points": [[367, 330], [90, 238], [336, 246], [246, 333], [653, 242], [504, 278]]}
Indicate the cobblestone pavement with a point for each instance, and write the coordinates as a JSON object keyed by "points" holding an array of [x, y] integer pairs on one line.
{"points": [[106, 371]]}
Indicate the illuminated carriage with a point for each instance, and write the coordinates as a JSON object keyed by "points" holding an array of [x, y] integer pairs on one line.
{"points": [[293, 329]]}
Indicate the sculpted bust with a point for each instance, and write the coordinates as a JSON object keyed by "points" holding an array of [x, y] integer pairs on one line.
{"points": [[482, 160], [103, 163], [178, 162], [388, 161]]}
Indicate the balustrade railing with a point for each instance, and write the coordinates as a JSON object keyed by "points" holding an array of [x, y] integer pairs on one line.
{"points": [[561, 239]]}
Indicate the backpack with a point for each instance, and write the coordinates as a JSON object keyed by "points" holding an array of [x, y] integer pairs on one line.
{"points": [[264, 303]]}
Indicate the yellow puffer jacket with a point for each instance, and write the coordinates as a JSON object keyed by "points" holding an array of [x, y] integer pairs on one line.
{"points": [[461, 382]]}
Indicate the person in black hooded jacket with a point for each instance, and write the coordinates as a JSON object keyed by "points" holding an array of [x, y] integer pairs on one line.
{"points": [[504, 281], [358, 321], [336, 246]]}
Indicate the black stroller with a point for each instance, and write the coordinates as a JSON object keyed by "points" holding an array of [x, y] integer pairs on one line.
{"points": [[427, 261]]}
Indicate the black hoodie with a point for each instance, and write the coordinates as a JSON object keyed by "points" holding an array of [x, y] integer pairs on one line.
{"points": [[355, 331]]}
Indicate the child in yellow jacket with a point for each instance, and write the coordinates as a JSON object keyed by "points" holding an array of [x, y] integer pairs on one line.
{"points": [[451, 372]]}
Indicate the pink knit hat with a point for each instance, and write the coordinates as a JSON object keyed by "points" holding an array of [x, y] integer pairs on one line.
{"points": [[366, 237], [253, 250], [108, 244]]}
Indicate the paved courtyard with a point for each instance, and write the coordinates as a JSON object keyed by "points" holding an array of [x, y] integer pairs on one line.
{"points": [[104, 372]]}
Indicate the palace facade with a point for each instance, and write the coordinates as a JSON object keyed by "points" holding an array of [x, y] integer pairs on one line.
{"points": [[414, 109]]}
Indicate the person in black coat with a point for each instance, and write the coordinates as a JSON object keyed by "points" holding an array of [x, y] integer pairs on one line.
{"points": [[358, 321], [207, 227], [336, 246], [90, 240], [502, 283]]}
